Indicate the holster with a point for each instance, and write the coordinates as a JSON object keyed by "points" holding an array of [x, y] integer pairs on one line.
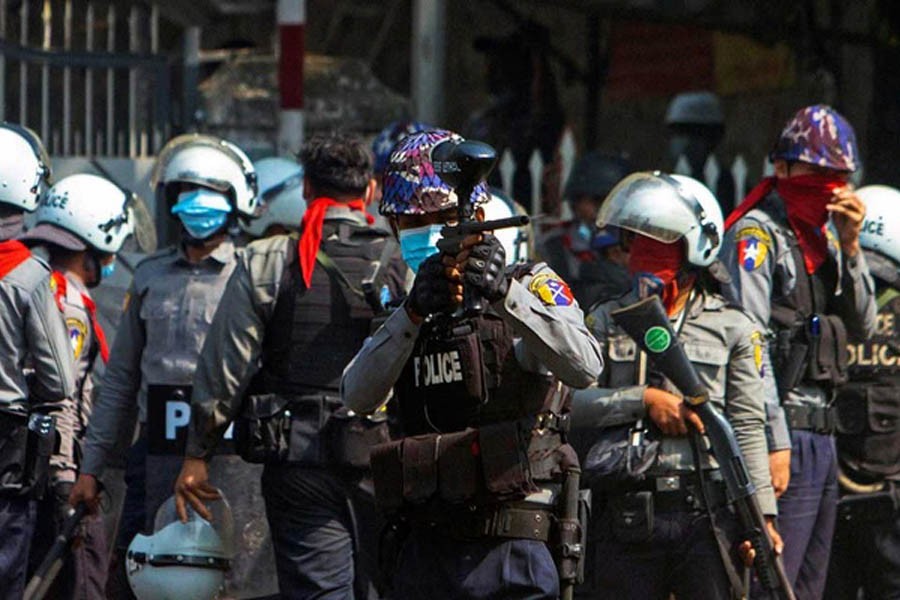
{"points": [[26, 444], [311, 430]]}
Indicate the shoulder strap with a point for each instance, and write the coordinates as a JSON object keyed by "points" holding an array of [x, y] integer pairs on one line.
{"points": [[335, 272], [370, 283]]}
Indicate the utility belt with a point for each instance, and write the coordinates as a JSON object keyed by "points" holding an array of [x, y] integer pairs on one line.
{"points": [[809, 350], [513, 520], [26, 444], [818, 419], [313, 430], [630, 512]]}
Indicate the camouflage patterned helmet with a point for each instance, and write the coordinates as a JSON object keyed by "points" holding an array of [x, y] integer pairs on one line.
{"points": [[385, 141], [411, 186], [818, 135]]}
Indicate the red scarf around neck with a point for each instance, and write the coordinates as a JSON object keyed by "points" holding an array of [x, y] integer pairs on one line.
{"points": [[661, 260], [805, 198], [311, 227], [60, 292], [12, 254]]}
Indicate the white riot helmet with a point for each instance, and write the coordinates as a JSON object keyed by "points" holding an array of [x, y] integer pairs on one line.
{"points": [[182, 561], [516, 240], [667, 208], [97, 212], [25, 167], [881, 229], [281, 192], [209, 162]]}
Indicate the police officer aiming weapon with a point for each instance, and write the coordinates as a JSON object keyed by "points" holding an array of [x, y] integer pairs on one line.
{"points": [[463, 165], [647, 323]]}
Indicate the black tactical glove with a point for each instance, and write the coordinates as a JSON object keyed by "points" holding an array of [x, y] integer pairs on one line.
{"points": [[485, 269], [431, 292]]}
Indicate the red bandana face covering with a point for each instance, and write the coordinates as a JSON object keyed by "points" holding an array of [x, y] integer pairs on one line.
{"points": [[655, 267], [805, 199], [311, 226]]}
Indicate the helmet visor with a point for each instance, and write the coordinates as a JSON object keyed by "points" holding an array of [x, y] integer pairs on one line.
{"points": [[650, 204]]}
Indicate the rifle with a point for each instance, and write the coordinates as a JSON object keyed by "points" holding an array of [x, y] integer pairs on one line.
{"points": [[463, 165], [647, 323], [46, 573]]}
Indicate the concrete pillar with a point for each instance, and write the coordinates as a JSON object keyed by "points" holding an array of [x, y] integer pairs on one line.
{"points": [[427, 60]]}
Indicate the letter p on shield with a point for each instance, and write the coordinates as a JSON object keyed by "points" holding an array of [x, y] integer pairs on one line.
{"points": [[178, 414]]}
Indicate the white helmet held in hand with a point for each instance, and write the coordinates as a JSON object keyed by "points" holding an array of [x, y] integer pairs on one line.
{"points": [[281, 191], [182, 561], [209, 162], [92, 208], [24, 168], [881, 228], [667, 208]]}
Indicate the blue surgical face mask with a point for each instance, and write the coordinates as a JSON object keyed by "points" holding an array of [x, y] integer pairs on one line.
{"points": [[106, 271], [419, 243], [203, 212]]}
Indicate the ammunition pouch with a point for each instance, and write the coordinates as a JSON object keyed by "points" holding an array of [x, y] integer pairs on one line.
{"points": [[310, 430], [497, 463], [26, 444], [877, 507], [803, 353], [868, 427]]}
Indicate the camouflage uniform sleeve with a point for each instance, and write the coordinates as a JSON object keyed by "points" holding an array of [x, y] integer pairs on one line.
{"points": [[115, 406], [231, 351], [751, 253], [745, 408], [541, 310]]}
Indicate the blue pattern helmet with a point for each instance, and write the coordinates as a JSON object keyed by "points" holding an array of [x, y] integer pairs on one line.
{"points": [[411, 186], [818, 135], [384, 142]]}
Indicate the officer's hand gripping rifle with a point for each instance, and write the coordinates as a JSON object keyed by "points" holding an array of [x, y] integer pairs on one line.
{"points": [[647, 323], [463, 165]]}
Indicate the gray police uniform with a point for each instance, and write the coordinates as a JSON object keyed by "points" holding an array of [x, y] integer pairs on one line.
{"points": [[32, 335], [85, 572], [169, 309], [278, 346], [767, 271], [464, 543], [674, 551]]}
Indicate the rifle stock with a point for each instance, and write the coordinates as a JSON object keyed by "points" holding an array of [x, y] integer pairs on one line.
{"points": [[648, 324]]}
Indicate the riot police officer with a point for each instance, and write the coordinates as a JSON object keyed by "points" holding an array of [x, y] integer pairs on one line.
{"points": [[866, 551], [472, 488], [593, 260], [665, 527], [82, 221], [295, 311], [33, 337], [209, 185], [792, 250]]}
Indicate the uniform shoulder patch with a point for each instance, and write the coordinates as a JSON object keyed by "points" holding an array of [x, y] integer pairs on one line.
{"points": [[551, 290], [77, 332], [759, 344], [753, 245]]}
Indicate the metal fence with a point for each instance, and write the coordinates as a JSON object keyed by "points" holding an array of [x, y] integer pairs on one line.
{"points": [[91, 83]]}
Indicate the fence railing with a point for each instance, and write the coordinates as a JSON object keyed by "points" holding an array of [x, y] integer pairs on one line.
{"points": [[115, 102], [568, 155]]}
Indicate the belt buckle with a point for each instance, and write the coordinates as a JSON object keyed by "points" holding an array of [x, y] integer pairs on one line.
{"points": [[668, 484]]}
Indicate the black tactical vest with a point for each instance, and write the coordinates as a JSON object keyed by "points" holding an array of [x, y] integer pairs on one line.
{"points": [[868, 407], [811, 340], [314, 333], [466, 375]]}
